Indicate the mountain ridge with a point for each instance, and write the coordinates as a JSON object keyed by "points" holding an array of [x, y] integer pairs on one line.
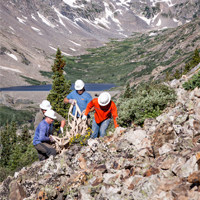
{"points": [[32, 31]]}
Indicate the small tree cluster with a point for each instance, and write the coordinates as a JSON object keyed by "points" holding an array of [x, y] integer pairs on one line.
{"points": [[190, 65], [16, 151], [193, 63]]}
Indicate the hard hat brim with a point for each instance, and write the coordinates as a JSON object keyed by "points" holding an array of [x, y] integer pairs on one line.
{"points": [[105, 104]]}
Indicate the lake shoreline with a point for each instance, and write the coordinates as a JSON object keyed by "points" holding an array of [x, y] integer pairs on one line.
{"points": [[10, 98]]}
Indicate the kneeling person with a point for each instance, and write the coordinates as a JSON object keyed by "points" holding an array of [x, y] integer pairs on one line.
{"points": [[44, 106], [42, 138]]}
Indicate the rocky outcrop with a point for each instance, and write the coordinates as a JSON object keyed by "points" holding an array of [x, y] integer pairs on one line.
{"points": [[160, 160]]}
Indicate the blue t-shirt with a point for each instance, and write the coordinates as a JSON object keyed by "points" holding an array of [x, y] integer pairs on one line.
{"points": [[42, 132], [82, 100]]}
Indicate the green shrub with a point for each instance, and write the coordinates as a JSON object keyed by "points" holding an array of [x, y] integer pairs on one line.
{"points": [[148, 101], [4, 172], [193, 82]]}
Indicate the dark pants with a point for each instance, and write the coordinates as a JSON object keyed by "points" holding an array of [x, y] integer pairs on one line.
{"points": [[45, 150]]}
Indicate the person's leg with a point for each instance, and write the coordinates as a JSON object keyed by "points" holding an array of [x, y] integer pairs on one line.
{"points": [[45, 150], [41, 152], [104, 126], [95, 129], [41, 156], [50, 150]]}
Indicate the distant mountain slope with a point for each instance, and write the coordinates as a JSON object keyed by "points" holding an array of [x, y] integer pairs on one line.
{"points": [[31, 31], [141, 57]]}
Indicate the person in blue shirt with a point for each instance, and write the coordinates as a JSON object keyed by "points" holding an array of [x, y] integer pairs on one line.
{"points": [[79, 96], [42, 139]]}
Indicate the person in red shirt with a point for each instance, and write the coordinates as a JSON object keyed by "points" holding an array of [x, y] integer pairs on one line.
{"points": [[104, 108]]}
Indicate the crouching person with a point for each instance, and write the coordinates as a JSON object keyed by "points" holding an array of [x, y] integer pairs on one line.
{"points": [[42, 139]]}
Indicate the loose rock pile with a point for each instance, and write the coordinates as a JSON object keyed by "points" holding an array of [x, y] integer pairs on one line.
{"points": [[158, 161]]}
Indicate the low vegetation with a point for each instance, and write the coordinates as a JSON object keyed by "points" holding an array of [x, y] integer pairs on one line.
{"points": [[148, 101], [136, 57], [193, 82], [19, 116], [33, 81]]}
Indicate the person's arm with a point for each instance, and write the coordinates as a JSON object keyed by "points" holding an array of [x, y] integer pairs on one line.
{"points": [[62, 121], [88, 108], [70, 98], [62, 124], [42, 134], [66, 100], [89, 99], [114, 114]]}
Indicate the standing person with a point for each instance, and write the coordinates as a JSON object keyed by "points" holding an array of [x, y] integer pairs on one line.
{"points": [[79, 96], [42, 138], [44, 106], [104, 107]]}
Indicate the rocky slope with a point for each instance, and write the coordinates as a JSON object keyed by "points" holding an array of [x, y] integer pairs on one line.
{"points": [[158, 161], [31, 31]]}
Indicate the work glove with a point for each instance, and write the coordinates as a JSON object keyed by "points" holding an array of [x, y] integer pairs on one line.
{"points": [[51, 138], [72, 101], [61, 130], [84, 117]]}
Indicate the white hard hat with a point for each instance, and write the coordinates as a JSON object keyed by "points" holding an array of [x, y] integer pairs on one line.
{"points": [[50, 113], [79, 85], [45, 105], [104, 99]]}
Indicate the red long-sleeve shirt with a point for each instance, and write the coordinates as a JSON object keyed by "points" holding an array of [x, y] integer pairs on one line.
{"points": [[102, 112]]}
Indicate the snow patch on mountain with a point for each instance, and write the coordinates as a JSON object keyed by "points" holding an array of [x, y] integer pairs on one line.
{"points": [[74, 43], [72, 49], [175, 20], [21, 20], [168, 2], [159, 22], [59, 16], [12, 55], [148, 21], [123, 2], [72, 3], [10, 69], [46, 21], [33, 17], [12, 29], [110, 14]]}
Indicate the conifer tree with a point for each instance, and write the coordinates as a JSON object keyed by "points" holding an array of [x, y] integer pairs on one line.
{"points": [[60, 86], [177, 74], [25, 138], [8, 140], [128, 92], [193, 63], [196, 57]]}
